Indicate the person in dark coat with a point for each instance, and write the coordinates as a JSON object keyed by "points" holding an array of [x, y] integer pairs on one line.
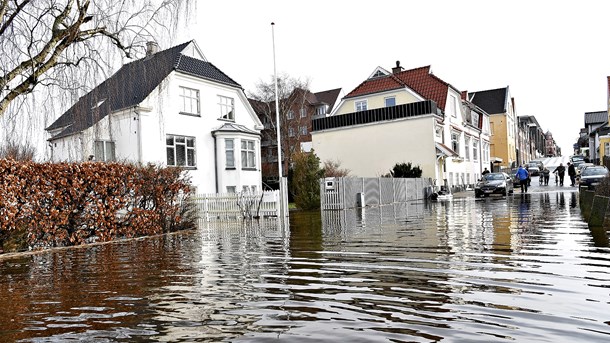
{"points": [[572, 174], [485, 172], [561, 172]]}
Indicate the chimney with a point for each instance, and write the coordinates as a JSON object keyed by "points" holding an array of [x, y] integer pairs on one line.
{"points": [[151, 48], [397, 69], [464, 95]]}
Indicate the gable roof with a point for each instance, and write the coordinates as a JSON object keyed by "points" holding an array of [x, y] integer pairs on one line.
{"points": [[130, 85], [421, 80], [598, 117], [493, 101]]}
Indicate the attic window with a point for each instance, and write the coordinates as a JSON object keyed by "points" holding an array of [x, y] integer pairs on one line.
{"points": [[378, 73], [99, 103]]}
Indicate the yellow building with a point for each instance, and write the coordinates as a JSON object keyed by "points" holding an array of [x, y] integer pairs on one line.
{"points": [[604, 138], [499, 104]]}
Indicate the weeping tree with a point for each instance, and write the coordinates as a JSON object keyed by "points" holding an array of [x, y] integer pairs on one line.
{"points": [[294, 96], [53, 51]]}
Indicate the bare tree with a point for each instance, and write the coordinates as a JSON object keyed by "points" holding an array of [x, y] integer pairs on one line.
{"points": [[66, 43], [295, 113], [332, 168]]}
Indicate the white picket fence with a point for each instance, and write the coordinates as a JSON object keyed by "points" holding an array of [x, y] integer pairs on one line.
{"points": [[230, 206]]}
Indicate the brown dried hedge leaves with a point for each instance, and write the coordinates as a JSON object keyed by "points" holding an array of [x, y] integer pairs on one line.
{"points": [[61, 204]]}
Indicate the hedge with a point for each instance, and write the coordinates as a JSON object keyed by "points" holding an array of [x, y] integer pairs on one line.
{"points": [[62, 204]]}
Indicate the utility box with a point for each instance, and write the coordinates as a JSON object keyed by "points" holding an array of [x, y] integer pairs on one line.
{"points": [[360, 200], [329, 184]]}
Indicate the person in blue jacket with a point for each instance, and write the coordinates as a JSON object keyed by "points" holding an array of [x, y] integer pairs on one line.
{"points": [[523, 175]]}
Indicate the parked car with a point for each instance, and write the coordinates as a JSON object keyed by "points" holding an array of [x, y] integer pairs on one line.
{"points": [[494, 183], [539, 163], [592, 176], [533, 168], [582, 166]]}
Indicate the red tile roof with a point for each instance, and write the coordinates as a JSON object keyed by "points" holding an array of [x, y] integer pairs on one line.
{"points": [[419, 79]]}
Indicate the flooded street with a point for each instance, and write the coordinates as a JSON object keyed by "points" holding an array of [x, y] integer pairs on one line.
{"points": [[522, 268]]}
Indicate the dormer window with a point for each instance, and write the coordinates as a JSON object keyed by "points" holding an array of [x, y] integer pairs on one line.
{"points": [[321, 110]]}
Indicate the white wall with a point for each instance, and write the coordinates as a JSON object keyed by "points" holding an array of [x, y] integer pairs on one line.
{"points": [[372, 150]]}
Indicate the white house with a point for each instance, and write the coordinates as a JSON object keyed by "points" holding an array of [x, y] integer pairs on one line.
{"points": [[173, 108], [406, 116]]}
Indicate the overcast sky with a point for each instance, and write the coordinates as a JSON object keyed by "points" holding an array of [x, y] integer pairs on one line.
{"points": [[554, 55]]}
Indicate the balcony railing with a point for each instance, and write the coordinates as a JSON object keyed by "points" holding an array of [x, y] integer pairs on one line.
{"points": [[376, 115]]}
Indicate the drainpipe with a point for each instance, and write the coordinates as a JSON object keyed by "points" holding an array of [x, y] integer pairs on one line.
{"points": [[138, 134], [216, 163]]}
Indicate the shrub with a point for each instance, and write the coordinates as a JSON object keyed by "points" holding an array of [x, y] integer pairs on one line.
{"points": [[74, 203], [306, 180], [405, 170]]}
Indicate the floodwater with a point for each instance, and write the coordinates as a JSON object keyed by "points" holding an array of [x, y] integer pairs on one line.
{"points": [[524, 268]]}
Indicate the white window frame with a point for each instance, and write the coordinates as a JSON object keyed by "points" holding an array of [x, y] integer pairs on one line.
{"points": [[455, 143], [181, 142], [321, 110], [303, 112], [290, 114], [227, 108], [189, 98], [290, 132], [104, 151], [385, 101], [230, 153], [453, 105], [467, 148], [248, 154], [231, 189], [361, 105], [475, 150], [303, 130]]}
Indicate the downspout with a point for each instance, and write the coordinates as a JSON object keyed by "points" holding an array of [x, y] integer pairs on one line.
{"points": [[215, 163], [139, 135]]}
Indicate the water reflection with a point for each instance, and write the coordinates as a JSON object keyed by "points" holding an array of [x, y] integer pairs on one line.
{"points": [[522, 268]]}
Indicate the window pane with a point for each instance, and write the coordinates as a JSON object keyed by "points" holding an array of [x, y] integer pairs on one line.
{"points": [[169, 140], [229, 143], [171, 161], [191, 157], [251, 159], [99, 151], [180, 139], [190, 142], [244, 159], [110, 151], [230, 158], [250, 145], [180, 155], [243, 145]]}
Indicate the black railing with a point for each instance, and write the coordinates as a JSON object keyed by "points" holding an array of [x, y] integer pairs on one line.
{"points": [[375, 115]]}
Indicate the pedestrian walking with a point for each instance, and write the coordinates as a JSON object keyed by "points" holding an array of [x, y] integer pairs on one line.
{"points": [[485, 172], [561, 172], [546, 173], [572, 174], [523, 175]]}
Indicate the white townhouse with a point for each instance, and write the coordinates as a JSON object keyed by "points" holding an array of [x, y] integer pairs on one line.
{"points": [[406, 116], [172, 108]]}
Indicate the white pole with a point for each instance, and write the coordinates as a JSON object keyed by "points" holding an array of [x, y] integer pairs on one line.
{"points": [[277, 111], [283, 208]]}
